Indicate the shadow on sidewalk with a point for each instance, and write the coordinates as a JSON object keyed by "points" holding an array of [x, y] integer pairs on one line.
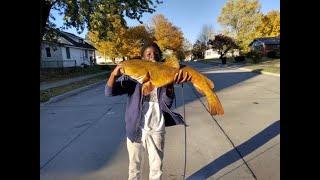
{"points": [[245, 148]]}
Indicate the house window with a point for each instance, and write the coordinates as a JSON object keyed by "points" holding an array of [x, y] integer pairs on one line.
{"points": [[48, 52], [86, 53], [68, 52]]}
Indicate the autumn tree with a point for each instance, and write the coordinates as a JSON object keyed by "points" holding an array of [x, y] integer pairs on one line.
{"points": [[126, 42], [270, 25], [207, 32], [167, 36], [222, 44], [114, 46], [187, 46], [134, 38], [240, 18], [198, 49], [96, 15], [107, 49]]}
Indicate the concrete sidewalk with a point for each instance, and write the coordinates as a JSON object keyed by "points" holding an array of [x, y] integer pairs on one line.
{"points": [[45, 86]]}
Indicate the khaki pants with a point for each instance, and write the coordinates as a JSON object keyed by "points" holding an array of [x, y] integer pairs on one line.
{"points": [[153, 144]]}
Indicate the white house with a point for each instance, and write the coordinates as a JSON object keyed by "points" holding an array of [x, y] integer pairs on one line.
{"points": [[69, 51], [103, 59], [189, 57], [210, 54]]}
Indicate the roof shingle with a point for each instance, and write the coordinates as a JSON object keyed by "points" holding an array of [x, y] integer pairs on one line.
{"points": [[73, 40]]}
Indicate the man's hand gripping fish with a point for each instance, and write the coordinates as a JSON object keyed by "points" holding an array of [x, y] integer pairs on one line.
{"points": [[159, 74]]}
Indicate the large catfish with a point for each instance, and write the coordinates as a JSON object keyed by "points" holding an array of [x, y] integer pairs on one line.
{"points": [[159, 74]]}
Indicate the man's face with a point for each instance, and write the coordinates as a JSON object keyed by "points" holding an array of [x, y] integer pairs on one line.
{"points": [[151, 54]]}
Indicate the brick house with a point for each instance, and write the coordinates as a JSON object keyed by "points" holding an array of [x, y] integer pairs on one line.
{"points": [[266, 46]]}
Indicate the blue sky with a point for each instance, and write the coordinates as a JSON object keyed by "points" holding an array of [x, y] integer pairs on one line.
{"points": [[188, 15]]}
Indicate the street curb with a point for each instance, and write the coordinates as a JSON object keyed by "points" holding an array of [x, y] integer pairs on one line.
{"points": [[71, 93], [250, 70], [260, 72]]}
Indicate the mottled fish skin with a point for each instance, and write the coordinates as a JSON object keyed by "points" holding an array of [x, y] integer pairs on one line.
{"points": [[159, 74]]}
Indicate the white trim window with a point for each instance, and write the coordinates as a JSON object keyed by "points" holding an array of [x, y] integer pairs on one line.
{"points": [[68, 52], [86, 53], [48, 52]]}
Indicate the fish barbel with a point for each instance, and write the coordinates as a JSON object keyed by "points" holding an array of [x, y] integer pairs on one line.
{"points": [[159, 74]]}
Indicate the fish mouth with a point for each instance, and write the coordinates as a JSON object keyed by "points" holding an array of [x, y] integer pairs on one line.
{"points": [[151, 60]]}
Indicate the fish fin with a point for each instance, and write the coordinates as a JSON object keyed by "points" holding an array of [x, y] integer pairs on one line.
{"points": [[147, 87], [172, 61]]}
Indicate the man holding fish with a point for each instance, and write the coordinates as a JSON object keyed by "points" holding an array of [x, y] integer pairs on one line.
{"points": [[147, 114]]}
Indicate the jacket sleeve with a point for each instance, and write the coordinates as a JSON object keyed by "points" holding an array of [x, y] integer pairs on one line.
{"points": [[120, 87]]}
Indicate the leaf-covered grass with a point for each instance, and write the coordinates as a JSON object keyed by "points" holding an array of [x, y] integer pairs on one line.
{"points": [[265, 64], [52, 75], [45, 95]]}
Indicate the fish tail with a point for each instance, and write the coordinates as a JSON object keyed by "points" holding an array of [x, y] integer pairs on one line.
{"points": [[205, 87], [214, 105]]}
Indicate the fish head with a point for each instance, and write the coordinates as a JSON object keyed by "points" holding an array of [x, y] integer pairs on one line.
{"points": [[136, 69]]}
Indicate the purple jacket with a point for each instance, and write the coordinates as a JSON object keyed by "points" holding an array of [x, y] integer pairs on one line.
{"points": [[134, 104]]}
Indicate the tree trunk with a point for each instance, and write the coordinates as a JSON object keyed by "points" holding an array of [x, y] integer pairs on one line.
{"points": [[223, 59], [45, 8]]}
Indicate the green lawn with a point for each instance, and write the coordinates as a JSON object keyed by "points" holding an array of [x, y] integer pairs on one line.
{"points": [[47, 94], [62, 74], [265, 64]]}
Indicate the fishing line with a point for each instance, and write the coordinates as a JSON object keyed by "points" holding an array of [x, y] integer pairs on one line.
{"points": [[185, 134]]}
